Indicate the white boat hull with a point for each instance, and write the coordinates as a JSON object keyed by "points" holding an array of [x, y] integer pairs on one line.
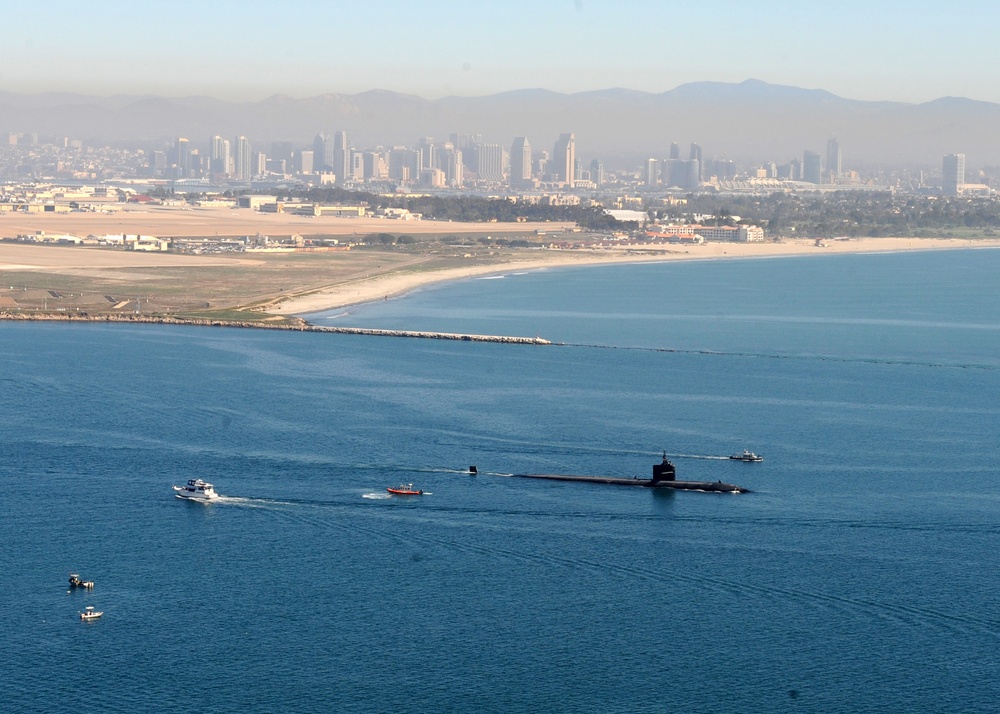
{"points": [[196, 490]]}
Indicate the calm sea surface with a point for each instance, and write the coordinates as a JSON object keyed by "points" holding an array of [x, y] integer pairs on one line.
{"points": [[860, 575]]}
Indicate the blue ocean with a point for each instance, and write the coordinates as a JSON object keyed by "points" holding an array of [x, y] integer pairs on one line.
{"points": [[858, 575]]}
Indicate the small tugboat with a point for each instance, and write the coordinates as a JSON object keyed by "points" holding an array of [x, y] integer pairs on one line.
{"points": [[405, 489], [89, 614], [76, 582], [748, 456], [196, 490]]}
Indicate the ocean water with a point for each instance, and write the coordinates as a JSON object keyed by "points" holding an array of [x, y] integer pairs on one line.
{"points": [[859, 575]]}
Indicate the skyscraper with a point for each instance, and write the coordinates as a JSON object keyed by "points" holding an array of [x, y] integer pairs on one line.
{"points": [[952, 174], [323, 152], [597, 172], [242, 163], [564, 159], [696, 156], [520, 163], [183, 157], [451, 161], [812, 167], [652, 173], [428, 157], [219, 156], [675, 151], [403, 164], [833, 158], [341, 157], [305, 162], [490, 162]]}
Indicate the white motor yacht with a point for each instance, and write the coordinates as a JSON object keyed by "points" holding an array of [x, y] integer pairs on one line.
{"points": [[196, 490]]}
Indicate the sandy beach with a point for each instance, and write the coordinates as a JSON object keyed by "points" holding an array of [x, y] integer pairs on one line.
{"points": [[395, 284], [94, 280]]}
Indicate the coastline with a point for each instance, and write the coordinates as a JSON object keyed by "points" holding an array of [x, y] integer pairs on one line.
{"points": [[393, 285]]}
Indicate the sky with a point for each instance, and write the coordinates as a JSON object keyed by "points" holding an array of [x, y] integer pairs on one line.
{"points": [[913, 51]]}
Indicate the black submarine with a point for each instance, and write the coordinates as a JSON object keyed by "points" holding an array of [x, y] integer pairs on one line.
{"points": [[664, 476]]}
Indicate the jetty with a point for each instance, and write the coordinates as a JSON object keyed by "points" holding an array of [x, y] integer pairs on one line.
{"points": [[295, 325], [664, 476]]}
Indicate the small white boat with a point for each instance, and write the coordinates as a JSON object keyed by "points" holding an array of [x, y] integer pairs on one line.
{"points": [[196, 490], [89, 613], [747, 456]]}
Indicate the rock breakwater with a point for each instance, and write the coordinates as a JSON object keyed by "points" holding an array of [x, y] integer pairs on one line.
{"points": [[293, 324]]}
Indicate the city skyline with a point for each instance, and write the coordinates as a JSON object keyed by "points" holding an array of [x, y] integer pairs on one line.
{"points": [[247, 51]]}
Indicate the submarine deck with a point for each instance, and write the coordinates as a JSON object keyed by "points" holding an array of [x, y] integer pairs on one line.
{"points": [[710, 486]]}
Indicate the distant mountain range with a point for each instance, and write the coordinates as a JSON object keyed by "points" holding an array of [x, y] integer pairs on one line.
{"points": [[751, 121]]}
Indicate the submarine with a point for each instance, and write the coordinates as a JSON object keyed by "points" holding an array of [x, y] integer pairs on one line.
{"points": [[664, 476]]}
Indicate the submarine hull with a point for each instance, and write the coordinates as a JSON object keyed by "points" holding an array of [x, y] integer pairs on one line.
{"points": [[708, 486]]}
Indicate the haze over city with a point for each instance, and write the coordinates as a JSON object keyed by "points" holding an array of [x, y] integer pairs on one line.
{"points": [[246, 51]]}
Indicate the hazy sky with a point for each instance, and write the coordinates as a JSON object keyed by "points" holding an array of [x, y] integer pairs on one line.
{"points": [[906, 51]]}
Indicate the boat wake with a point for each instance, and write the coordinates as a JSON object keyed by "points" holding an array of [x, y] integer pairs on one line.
{"points": [[705, 457], [376, 496], [250, 502]]}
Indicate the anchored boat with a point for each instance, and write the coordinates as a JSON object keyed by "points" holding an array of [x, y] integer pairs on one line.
{"points": [[89, 613], [75, 581]]}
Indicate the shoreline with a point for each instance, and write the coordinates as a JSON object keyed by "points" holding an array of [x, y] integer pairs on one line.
{"points": [[383, 287]]}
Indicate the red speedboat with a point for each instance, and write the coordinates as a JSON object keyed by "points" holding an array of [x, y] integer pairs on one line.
{"points": [[405, 489]]}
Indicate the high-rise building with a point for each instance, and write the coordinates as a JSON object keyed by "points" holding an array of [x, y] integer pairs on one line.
{"points": [[952, 174], [219, 157], [490, 162], [674, 173], [462, 142], [812, 167], [833, 158], [183, 155], [652, 174], [341, 157], [520, 163], [451, 162], [695, 155], [158, 162], [693, 178], [403, 164], [675, 151], [597, 172], [305, 162], [564, 159], [323, 152], [428, 158], [242, 161], [542, 160], [374, 165]]}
